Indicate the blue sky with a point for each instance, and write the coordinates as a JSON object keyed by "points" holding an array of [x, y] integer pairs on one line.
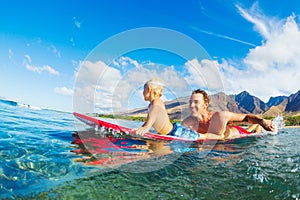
{"points": [[253, 45]]}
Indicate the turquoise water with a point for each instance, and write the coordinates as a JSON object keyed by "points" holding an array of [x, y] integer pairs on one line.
{"points": [[41, 158]]}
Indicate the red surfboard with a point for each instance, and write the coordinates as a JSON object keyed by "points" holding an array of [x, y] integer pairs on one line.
{"points": [[98, 123]]}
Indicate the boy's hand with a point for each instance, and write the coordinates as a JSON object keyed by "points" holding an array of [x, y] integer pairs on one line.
{"points": [[141, 131]]}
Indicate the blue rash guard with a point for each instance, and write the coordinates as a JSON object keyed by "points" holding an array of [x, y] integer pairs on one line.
{"points": [[183, 132]]}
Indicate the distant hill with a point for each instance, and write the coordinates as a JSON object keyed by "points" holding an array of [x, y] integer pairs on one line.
{"points": [[239, 103], [221, 101], [275, 101], [293, 104], [250, 103], [274, 110]]}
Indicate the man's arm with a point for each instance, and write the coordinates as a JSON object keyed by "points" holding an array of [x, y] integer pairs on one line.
{"points": [[254, 119], [188, 122], [220, 120]]}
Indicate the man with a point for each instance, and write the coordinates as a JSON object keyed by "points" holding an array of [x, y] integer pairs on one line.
{"points": [[203, 121]]}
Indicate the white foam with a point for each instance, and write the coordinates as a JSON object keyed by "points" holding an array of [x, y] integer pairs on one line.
{"points": [[22, 105], [278, 123]]}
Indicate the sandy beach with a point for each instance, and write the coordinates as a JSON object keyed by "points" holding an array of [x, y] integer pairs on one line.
{"points": [[292, 127]]}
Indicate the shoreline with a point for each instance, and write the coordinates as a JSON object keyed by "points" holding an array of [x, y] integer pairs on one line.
{"points": [[298, 126]]}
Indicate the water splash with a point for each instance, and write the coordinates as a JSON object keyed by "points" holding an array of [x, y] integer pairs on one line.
{"points": [[278, 122]]}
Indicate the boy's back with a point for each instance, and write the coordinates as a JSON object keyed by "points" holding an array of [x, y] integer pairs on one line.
{"points": [[160, 117]]}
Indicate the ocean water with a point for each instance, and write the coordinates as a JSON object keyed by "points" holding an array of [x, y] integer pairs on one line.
{"points": [[44, 155]]}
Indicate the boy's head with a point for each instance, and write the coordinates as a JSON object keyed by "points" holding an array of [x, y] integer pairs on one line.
{"points": [[155, 85]]}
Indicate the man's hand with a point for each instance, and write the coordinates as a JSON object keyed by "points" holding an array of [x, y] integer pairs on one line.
{"points": [[267, 125]]}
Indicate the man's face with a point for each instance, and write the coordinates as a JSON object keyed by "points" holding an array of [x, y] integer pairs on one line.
{"points": [[197, 105]]}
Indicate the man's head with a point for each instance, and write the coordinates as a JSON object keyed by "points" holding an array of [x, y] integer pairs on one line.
{"points": [[199, 102], [204, 94]]}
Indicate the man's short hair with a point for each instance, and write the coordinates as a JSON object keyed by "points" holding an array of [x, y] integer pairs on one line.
{"points": [[204, 94]]}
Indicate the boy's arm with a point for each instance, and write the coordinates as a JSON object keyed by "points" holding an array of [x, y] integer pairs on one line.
{"points": [[145, 127], [151, 117]]}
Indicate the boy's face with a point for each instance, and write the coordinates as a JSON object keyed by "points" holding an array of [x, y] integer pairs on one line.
{"points": [[197, 104], [146, 93]]}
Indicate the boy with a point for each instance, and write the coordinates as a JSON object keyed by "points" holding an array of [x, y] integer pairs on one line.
{"points": [[157, 114]]}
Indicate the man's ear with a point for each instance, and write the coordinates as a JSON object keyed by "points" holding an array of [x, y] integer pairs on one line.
{"points": [[206, 105]]}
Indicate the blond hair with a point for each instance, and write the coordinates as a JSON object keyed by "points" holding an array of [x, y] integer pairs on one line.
{"points": [[156, 85]]}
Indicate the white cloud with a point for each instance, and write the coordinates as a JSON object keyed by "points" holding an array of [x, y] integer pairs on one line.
{"points": [[28, 58], [49, 69], [222, 36], [28, 64], [273, 82], [203, 74], [76, 23], [39, 70], [118, 88], [55, 51], [89, 72], [262, 24], [72, 41], [133, 82], [10, 54], [64, 91], [281, 50], [272, 68], [124, 62], [95, 83]]}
